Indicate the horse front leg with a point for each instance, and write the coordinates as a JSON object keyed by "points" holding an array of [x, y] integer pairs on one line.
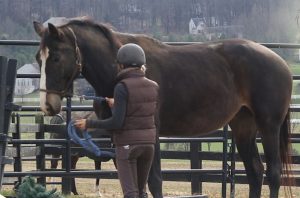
{"points": [[74, 160], [97, 186]]}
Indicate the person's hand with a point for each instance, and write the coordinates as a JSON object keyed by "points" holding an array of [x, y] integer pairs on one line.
{"points": [[110, 102], [80, 124]]}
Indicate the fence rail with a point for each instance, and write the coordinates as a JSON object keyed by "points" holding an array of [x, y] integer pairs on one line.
{"points": [[207, 175]]}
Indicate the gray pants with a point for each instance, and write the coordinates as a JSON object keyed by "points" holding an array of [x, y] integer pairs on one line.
{"points": [[133, 164]]}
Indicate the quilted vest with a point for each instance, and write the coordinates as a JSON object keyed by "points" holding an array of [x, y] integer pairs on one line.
{"points": [[139, 125]]}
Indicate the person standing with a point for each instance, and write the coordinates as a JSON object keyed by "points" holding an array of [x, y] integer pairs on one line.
{"points": [[132, 123]]}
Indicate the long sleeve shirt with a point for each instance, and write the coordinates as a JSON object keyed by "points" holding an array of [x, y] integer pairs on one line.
{"points": [[118, 111]]}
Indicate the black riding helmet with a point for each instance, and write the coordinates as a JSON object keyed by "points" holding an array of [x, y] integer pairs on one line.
{"points": [[131, 55]]}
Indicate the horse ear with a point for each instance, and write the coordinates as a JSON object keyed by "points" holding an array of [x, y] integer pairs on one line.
{"points": [[39, 28], [54, 31]]}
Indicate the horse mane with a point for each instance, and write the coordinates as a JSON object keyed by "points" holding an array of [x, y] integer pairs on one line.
{"points": [[110, 34], [139, 38], [103, 28]]}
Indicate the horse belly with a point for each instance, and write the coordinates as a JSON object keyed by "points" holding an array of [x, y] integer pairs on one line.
{"points": [[198, 93], [199, 120]]}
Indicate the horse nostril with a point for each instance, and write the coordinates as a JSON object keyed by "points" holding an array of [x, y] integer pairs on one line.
{"points": [[49, 109], [52, 105]]}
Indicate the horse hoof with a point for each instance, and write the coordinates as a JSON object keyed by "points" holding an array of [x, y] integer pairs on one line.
{"points": [[97, 191]]}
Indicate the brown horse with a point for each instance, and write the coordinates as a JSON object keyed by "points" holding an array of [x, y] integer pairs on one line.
{"points": [[202, 88]]}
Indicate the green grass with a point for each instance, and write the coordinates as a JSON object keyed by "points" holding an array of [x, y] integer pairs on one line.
{"points": [[7, 193], [295, 68], [218, 147]]}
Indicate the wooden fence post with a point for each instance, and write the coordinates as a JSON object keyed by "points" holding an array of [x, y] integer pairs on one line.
{"points": [[10, 87], [7, 80], [196, 163], [11, 75], [232, 167], [3, 71], [66, 155], [17, 135], [225, 161], [40, 158]]}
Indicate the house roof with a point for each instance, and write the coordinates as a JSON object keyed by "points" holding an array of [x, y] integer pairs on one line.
{"points": [[31, 68], [197, 21]]}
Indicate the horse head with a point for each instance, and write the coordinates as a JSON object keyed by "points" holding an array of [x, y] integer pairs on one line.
{"points": [[60, 63], [66, 49]]}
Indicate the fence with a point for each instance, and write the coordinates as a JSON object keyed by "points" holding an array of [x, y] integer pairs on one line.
{"points": [[196, 156], [7, 83], [40, 151]]}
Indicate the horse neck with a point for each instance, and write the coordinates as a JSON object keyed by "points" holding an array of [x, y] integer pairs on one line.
{"points": [[98, 61], [99, 57]]}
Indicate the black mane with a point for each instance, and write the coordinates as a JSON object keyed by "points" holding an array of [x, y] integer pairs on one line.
{"points": [[103, 28]]}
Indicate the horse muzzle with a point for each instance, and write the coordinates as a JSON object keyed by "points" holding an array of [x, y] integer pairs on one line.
{"points": [[52, 105]]}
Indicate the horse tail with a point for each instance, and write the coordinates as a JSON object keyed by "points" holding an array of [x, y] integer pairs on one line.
{"points": [[285, 154]]}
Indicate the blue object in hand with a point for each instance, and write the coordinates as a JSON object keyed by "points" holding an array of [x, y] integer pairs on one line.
{"points": [[87, 143]]}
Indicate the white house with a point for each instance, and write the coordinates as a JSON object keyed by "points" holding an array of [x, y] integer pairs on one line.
{"points": [[211, 28], [196, 25], [27, 85]]}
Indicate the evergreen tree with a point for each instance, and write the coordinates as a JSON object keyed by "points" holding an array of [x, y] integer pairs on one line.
{"points": [[30, 189]]}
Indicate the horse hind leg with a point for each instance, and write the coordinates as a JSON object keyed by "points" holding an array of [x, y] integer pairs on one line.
{"points": [[244, 130], [271, 144]]}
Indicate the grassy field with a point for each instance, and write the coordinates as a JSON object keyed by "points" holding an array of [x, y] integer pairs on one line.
{"points": [[295, 68]]}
